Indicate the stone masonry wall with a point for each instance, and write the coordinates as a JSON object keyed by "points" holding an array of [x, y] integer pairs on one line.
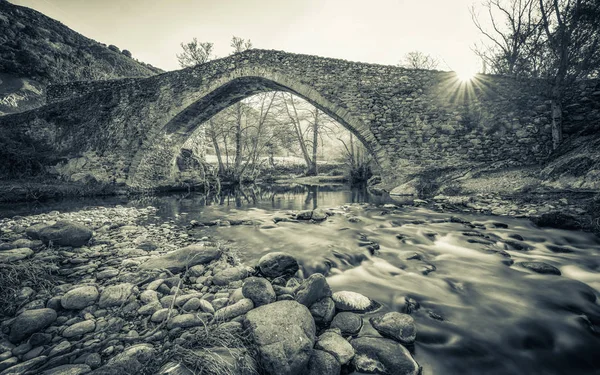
{"points": [[408, 119]]}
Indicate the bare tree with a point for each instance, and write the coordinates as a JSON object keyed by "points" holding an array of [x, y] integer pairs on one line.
{"points": [[195, 53], [419, 60], [513, 37], [240, 44]]}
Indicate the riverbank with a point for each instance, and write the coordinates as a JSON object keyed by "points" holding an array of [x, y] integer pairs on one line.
{"points": [[162, 292]]}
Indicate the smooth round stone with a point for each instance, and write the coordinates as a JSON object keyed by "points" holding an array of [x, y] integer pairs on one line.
{"points": [[15, 255], [235, 310], [259, 290], [348, 322], [192, 305], [396, 326], [278, 264], [115, 295], [323, 311], [352, 301], [29, 322], [375, 355], [323, 363], [79, 298], [336, 345], [79, 329]]}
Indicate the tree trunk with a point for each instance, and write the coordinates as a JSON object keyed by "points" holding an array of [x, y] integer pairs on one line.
{"points": [[213, 136], [238, 141], [313, 171]]}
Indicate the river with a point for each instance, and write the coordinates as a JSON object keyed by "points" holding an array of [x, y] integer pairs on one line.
{"points": [[477, 310]]}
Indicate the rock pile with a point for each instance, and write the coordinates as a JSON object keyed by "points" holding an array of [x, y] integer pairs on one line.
{"points": [[128, 298]]}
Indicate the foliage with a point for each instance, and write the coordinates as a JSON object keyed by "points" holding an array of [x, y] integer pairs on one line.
{"points": [[126, 53], [419, 60], [114, 48], [195, 53], [557, 40]]}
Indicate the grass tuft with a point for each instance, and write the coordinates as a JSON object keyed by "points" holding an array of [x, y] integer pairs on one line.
{"points": [[39, 276]]}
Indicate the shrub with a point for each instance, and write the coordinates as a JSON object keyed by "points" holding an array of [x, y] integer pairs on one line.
{"points": [[112, 47], [126, 53], [34, 274]]}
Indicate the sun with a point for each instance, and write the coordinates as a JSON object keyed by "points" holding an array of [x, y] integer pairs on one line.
{"points": [[466, 74]]}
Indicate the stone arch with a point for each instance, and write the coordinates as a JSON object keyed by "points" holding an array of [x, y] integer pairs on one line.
{"points": [[148, 167]]}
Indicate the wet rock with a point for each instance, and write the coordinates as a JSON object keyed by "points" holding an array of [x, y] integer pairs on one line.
{"points": [[323, 363], [540, 267], [348, 322], [115, 295], [62, 233], [336, 345], [517, 245], [410, 305], [559, 249], [304, 215], [178, 260], [278, 264], [284, 332], [14, 255], [374, 355], [318, 215], [29, 322], [323, 311], [259, 290], [79, 329], [69, 370], [399, 327], [239, 308], [79, 298], [557, 219], [314, 288], [352, 301]]}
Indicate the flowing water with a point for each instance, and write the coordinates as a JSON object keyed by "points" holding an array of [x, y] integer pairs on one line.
{"points": [[477, 310]]}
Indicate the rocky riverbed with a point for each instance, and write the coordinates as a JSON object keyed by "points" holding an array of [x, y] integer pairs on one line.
{"points": [[120, 297]]}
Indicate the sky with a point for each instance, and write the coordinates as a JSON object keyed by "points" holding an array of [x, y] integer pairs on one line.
{"points": [[376, 31]]}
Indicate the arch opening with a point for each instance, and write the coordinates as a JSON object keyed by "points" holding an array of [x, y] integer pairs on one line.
{"points": [[156, 161]]}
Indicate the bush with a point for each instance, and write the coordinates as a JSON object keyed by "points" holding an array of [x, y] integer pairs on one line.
{"points": [[126, 53], [112, 47]]}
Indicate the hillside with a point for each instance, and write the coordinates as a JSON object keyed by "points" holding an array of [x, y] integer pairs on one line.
{"points": [[36, 50]]}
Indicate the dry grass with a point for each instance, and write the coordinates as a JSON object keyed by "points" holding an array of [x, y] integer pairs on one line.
{"points": [[39, 276], [216, 350]]}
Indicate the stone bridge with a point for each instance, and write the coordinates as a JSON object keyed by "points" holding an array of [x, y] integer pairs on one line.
{"points": [[131, 130]]}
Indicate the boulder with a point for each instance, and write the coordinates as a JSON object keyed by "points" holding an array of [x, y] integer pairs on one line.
{"points": [[62, 233], [374, 355], [178, 260], [284, 332], [278, 264], [116, 295], [259, 290], [396, 326], [314, 288], [29, 322], [79, 298], [319, 215]]}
